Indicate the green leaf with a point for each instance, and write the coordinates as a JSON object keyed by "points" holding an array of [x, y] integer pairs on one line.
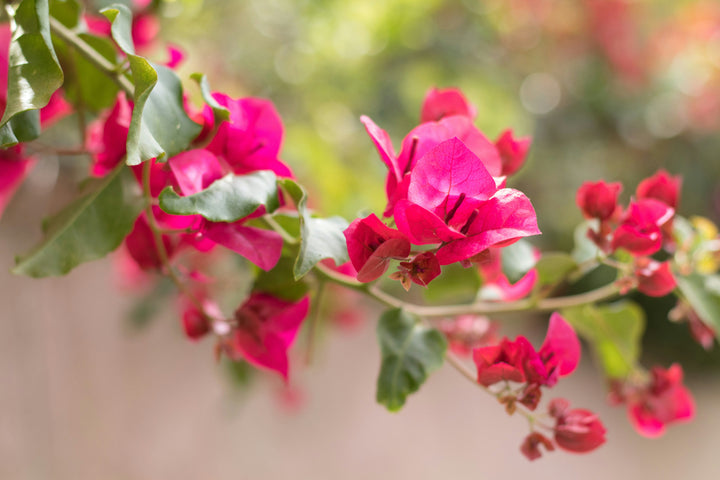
{"points": [[85, 84], [66, 12], [553, 267], [34, 72], [220, 112], [614, 331], [456, 284], [160, 127], [320, 238], [517, 259], [701, 292], [585, 249], [23, 127], [279, 281], [87, 229], [410, 352], [227, 199]]}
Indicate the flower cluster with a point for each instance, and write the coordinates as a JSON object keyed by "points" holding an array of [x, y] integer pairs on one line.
{"points": [[446, 195], [521, 372]]}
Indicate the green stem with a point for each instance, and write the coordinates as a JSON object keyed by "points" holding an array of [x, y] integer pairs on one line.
{"points": [[479, 308], [91, 55]]}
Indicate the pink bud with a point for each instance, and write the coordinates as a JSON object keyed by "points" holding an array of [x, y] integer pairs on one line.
{"points": [[598, 199], [531, 446], [579, 431], [439, 104], [513, 151], [661, 186], [655, 279]]}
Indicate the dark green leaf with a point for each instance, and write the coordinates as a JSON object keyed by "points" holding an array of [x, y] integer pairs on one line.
{"points": [[701, 292], [220, 112], [89, 228], [321, 238], [410, 352], [23, 127], [85, 84], [614, 331], [517, 260], [34, 72], [227, 199], [160, 127], [553, 267]]}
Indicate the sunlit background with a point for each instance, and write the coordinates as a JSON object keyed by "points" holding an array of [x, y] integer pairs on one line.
{"points": [[94, 385]]}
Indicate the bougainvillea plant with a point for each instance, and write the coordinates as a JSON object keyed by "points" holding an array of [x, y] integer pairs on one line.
{"points": [[180, 188]]}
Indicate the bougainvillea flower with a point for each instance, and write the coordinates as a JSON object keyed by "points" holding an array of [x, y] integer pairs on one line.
{"points": [[531, 445], [422, 269], [145, 28], [251, 139], [664, 400], [107, 137], [517, 360], [598, 199], [56, 109], [421, 140], [266, 328], [640, 229], [14, 167], [560, 351], [661, 186], [176, 56], [513, 151], [371, 245], [439, 104], [577, 430], [654, 278], [453, 200]]}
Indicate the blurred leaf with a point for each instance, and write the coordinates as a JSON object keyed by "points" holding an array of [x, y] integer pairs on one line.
{"points": [[614, 331], [410, 352], [147, 308], [160, 127], [66, 12], [227, 199], [320, 238], [517, 260], [34, 72], [279, 281], [84, 82], [87, 229], [585, 249], [554, 267], [456, 284], [220, 112], [703, 294], [240, 372]]}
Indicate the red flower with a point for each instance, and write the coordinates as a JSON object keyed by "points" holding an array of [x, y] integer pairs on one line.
{"points": [[371, 245], [576, 430], [531, 445], [664, 400], [655, 279], [439, 104], [107, 137], [513, 151], [517, 361], [661, 186], [422, 269], [640, 229], [266, 328], [14, 167], [598, 199]]}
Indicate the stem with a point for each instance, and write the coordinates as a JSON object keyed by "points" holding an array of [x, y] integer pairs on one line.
{"points": [[480, 308], [91, 55]]}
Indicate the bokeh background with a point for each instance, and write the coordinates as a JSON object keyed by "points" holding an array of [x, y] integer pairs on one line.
{"points": [[96, 382]]}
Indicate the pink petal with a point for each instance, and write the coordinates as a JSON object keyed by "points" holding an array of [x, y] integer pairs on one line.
{"points": [[449, 170], [562, 343], [261, 247], [504, 218], [421, 226], [13, 170], [195, 170], [384, 146], [377, 264], [439, 104]]}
